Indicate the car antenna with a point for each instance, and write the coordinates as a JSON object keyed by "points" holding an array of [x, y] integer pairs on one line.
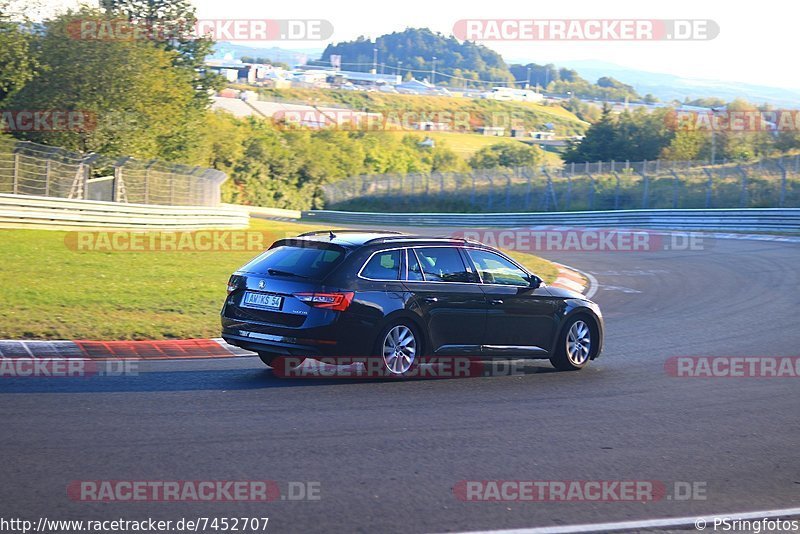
{"points": [[331, 234]]}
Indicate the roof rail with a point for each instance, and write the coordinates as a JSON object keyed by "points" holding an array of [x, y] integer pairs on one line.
{"points": [[407, 237], [345, 231], [464, 239]]}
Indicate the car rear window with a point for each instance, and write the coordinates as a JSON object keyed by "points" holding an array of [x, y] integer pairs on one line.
{"points": [[307, 261]]}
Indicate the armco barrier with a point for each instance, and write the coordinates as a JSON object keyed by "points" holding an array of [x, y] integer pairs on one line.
{"points": [[22, 211], [743, 220], [270, 213]]}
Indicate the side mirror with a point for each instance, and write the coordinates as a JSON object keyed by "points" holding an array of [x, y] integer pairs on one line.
{"points": [[535, 282]]}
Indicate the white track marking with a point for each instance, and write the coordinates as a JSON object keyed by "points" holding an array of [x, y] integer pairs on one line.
{"points": [[708, 521]]}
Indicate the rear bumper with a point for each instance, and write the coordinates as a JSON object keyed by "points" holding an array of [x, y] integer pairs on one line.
{"points": [[338, 340], [258, 342]]}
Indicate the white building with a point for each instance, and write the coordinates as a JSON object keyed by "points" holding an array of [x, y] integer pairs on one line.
{"points": [[511, 94]]}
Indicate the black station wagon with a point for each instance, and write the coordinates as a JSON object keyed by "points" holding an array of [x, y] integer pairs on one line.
{"points": [[403, 298]]}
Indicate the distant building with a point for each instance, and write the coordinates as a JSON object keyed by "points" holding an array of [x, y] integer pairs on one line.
{"points": [[427, 143], [311, 77], [496, 131], [511, 94], [346, 77], [367, 78], [233, 71], [417, 87], [429, 126], [543, 135], [278, 83]]}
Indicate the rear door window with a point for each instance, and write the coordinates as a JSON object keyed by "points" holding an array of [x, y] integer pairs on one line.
{"points": [[443, 264]]}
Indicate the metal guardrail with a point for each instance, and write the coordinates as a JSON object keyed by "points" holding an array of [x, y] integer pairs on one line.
{"points": [[743, 220], [23, 211], [270, 213]]}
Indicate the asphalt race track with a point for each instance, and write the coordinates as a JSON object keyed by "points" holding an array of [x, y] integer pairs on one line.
{"points": [[387, 455]]}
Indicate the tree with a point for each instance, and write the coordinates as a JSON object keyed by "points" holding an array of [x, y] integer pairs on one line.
{"points": [[17, 63], [612, 83], [687, 145], [416, 48], [743, 144], [583, 110], [270, 166], [171, 25], [540, 75], [598, 144], [641, 135], [506, 155], [634, 136], [135, 102]]}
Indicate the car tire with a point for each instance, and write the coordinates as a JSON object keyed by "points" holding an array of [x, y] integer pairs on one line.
{"points": [[575, 345], [272, 359], [399, 346]]}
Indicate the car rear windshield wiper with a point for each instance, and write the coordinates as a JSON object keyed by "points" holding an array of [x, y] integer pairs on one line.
{"points": [[278, 272]]}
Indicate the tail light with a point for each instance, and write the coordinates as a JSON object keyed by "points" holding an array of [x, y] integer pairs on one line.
{"points": [[233, 284], [329, 301]]}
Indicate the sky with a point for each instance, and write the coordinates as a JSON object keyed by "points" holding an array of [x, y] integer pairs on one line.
{"points": [[756, 42]]}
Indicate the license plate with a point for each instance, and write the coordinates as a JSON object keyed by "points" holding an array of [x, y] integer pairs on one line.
{"points": [[261, 300]]}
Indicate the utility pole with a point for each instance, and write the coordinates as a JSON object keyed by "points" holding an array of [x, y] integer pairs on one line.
{"points": [[528, 84], [433, 72], [375, 59]]}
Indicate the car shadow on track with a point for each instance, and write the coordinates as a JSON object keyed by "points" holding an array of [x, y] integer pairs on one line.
{"points": [[236, 379]]}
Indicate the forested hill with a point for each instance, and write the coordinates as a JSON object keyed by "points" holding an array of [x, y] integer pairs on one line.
{"points": [[412, 52]]}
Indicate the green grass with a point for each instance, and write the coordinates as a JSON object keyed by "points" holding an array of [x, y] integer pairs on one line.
{"points": [[463, 144], [533, 116], [51, 291], [544, 269], [466, 144]]}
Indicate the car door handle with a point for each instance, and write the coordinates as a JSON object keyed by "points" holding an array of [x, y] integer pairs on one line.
{"points": [[431, 299], [495, 302]]}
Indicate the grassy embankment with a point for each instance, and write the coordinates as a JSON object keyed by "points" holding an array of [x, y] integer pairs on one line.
{"points": [[533, 116], [51, 291]]}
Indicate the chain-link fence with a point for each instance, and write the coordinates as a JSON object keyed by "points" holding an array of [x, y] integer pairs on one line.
{"points": [[31, 169], [773, 182]]}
